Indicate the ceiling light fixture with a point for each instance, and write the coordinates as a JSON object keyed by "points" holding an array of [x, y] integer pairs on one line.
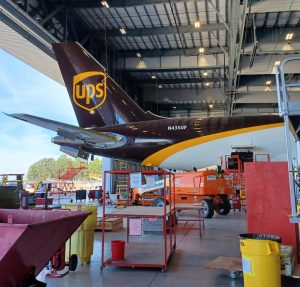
{"points": [[174, 107], [197, 24], [211, 106], [37, 17], [139, 55], [268, 82], [105, 4], [123, 31], [206, 84], [153, 77], [205, 74], [277, 63], [289, 36], [201, 50], [20, 2]]}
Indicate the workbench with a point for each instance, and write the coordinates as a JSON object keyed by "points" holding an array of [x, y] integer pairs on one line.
{"points": [[142, 211], [198, 207]]}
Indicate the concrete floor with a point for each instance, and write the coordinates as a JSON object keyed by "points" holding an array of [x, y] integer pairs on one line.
{"points": [[187, 266]]}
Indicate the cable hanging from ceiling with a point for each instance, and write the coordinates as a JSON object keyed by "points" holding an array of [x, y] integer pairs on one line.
{"points": [[183, 47]]}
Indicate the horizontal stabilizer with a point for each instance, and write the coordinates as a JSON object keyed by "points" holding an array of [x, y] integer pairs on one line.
{"points": [[66, 130]]}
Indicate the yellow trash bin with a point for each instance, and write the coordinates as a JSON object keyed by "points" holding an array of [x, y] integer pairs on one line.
{"points": [[82, 240], [261, 260], [91, 220]]}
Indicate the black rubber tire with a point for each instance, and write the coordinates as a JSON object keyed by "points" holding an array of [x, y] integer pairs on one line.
{"points": [[158, 202], [234, 275], [223, 208], [209, 208], [73, 262]]}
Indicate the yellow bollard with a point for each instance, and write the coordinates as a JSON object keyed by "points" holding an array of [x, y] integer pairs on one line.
{"points": [[261, 260]]}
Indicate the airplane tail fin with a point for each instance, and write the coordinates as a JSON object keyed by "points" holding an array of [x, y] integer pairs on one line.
{"points": [[96, 98]]}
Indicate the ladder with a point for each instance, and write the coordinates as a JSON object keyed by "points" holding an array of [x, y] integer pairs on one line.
{"points": [[289, 109], [121, 180]]}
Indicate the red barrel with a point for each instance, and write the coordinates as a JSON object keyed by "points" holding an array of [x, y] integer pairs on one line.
{"points": [[117, 250]]}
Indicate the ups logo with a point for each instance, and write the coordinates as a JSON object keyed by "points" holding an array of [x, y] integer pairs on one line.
{"points": [[89, 96]]}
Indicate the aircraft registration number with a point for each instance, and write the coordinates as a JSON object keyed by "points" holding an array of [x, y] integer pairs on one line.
{"points": [[176, 128]]}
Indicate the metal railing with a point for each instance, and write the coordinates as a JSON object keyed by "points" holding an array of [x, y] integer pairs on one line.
{"points": [[286, 109]]}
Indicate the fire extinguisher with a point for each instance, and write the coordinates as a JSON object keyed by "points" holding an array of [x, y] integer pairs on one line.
{"points": [[58, 263], [58, 260]]}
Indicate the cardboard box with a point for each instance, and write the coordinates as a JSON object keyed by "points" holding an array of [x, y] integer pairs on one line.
{"points": [[111, 224], [287, 269], [287, 260]]}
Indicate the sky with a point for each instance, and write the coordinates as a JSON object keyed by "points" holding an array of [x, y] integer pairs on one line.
{"points": [[25, 90]]}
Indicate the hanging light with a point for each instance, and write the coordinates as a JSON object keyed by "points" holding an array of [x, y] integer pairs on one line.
{"points": [[197, 24], [123, 31], [105, 4]]}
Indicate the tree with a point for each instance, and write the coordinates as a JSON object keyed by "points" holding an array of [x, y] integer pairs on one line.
{"points": [[49, 168], [93, 167], [42, 169], [62, 164]]}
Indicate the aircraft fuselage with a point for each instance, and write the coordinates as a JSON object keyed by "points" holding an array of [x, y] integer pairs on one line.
{"points": [[182, 143]]}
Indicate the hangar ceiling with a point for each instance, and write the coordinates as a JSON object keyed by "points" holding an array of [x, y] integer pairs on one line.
{"points": [[175, 58]]}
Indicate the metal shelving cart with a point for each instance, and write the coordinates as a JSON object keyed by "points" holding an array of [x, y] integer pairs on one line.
{"points": [[140, 252], [198, 208]]}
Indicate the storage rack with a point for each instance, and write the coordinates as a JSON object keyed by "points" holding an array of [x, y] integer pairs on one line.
{"points": [[142, 254]]}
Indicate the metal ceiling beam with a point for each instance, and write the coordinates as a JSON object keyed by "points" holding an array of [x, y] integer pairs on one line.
{"points": [[176, 81], [256, 105], [256, 80], [170, 69], [51, 15], [241, 31], [272, 52], [234, 24], [264, 36], [118, 3], [161, 30], [273, 34], [257, 6], [273, 6], [18, 20], [237, 24], [170, 52], [196, 106]]}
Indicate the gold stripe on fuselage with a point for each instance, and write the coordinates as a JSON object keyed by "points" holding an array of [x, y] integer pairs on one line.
{"points": [[158, 157]]}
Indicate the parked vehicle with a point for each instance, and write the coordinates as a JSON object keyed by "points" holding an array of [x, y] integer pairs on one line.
{"points": [[212, 188]]}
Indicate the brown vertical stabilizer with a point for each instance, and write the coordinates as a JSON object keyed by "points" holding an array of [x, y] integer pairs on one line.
{"points": [[96, 98]]}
